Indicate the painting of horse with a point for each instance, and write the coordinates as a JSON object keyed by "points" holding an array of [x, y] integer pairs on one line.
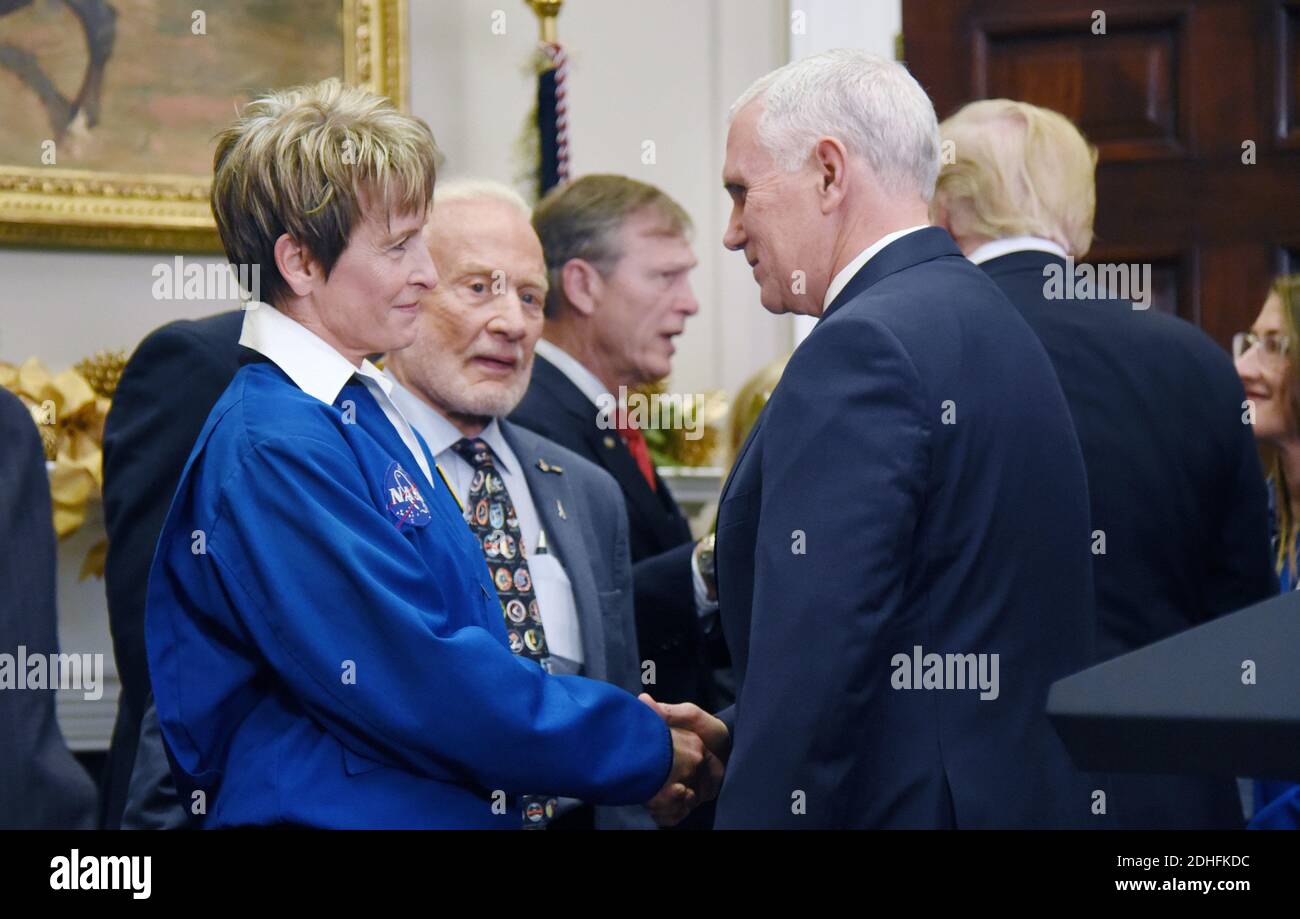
{"points": [[142, 86]]}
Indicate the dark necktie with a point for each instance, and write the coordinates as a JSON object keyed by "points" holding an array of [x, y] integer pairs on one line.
{"points": [[491, 517]]}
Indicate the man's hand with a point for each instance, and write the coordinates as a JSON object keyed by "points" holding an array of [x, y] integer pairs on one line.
{"points": [[678, 796], [699, 734], [690, 717]]}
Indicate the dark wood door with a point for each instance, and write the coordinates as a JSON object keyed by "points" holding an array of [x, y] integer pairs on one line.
{"points": [[1179, 96]]}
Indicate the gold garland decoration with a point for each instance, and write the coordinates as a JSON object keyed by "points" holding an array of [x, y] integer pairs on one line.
{"points": [[671, 446], [726, 422], [750, 401], [69, 409]]}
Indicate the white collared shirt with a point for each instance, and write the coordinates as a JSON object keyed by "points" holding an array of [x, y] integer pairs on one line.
{"points": [[841, 280], [551, 585], [318, 369], [999, 247]]}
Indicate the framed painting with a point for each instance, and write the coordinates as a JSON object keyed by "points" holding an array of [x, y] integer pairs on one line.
{"points": [[109, 108]]}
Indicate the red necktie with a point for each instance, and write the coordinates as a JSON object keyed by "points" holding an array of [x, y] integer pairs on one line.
{"points": [[640, 451]]}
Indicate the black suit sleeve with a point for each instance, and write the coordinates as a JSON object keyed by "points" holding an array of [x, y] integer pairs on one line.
{"points": [[667, 625], [41, 785], [161, 403]]}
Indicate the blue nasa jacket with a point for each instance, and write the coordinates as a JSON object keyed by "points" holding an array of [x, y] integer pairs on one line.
{"points": [[327, 649]]}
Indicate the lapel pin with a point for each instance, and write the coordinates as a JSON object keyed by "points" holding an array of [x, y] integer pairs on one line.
{"points": [[547, 467], [560, 507]]}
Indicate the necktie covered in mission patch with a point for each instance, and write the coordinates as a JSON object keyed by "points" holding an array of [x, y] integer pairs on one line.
{"points": [[491, 516]]}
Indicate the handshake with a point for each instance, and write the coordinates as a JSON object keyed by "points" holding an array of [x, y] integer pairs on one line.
{"points": [[701, 744]]}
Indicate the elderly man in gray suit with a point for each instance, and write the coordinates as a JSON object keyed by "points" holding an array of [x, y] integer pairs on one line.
{"points": [[524, 497], [469, 367]]}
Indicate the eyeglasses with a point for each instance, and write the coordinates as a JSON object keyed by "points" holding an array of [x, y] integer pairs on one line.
{"points": [[1272, 346]]}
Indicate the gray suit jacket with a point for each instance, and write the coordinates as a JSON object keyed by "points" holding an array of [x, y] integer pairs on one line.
{"points": [[582, 512], [41, 785]]}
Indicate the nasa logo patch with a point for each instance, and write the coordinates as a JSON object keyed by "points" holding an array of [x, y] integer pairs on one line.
{"points": [[404, 500]]}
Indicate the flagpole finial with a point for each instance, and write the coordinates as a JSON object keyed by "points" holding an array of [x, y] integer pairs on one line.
{"points": [[547, 12]]}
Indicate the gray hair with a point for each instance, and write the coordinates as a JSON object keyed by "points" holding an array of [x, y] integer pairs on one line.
{"points": [[469, 189], [871, 104]]}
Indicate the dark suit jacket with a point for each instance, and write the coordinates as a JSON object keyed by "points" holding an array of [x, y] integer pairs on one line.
{"points": [[668, 628], [915, 481], [1175, 485], [41, 785], [170, 384]]}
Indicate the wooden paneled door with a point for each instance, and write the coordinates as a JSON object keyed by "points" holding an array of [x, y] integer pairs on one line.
{"points": [[1175, 94]]}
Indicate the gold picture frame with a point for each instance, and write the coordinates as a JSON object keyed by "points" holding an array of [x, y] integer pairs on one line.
{"points": [[71, 208]]}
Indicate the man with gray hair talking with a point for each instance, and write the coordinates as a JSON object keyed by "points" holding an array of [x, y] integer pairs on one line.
{"points": [[902, 546], [620, 260]]}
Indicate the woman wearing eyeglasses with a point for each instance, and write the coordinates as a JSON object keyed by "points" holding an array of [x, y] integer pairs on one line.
{"points": [[1272, 381], [1266, 362]]}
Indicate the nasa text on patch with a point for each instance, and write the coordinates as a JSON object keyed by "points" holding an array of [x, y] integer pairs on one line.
{"points": [[403, 499]]}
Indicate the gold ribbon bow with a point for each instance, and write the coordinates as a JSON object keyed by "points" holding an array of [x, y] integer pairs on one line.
{"points": [[69, 413]]}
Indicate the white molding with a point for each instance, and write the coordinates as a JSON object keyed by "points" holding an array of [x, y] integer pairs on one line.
{"points": [[88, 725], [83, 629], [696, 489]]}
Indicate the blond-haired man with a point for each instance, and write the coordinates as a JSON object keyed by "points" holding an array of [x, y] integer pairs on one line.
{"points": [[325, 642], [1179, 512]]}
